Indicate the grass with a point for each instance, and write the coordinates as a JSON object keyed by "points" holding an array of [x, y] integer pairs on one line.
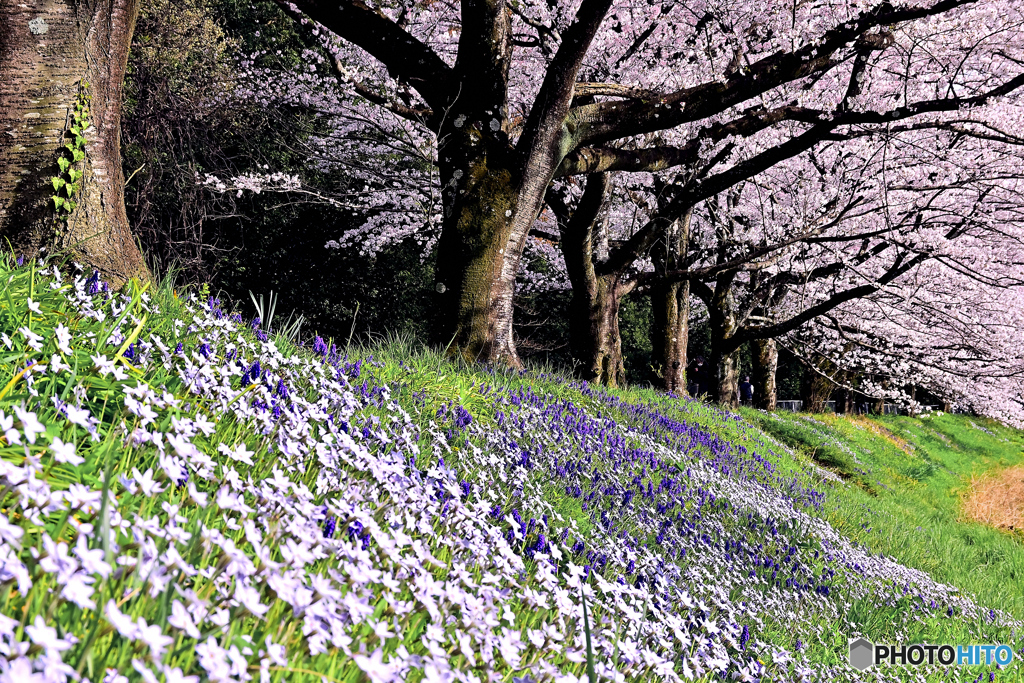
{"points": [[892, 485], [911, 477]]}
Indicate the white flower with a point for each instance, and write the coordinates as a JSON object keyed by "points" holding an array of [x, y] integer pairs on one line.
{"points": [[9, 532], [103, 364], [63, 339], [46, 636], [199, 497], [122, 622], [57, 365], [182, 620], [152, 636], [78, 590], [175, 675], [240, 453], [78, 416], [34, 340], [33, 306], [65, 452], [146, 482], [249, 598], [29, 424], [92, 558]]}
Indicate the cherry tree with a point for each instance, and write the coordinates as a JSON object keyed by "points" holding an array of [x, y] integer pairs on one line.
{"points": [[61, 184], [851, 227], [957, 336], [518, 94]]}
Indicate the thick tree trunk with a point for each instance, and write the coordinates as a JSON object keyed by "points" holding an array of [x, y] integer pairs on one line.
{"points": [[490, 203], [726, 368], [594, 338], [766, 364], [670, 307], [475, 293], [670, 334], [51, 51], [594, 333], [724, 349]]}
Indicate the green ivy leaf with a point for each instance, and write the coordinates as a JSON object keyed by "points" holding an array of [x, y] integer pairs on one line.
{"points": [[63, 164], [57, 183], [72, 188], [57, 202], [80, 141], [79, 154], [74, 174]]}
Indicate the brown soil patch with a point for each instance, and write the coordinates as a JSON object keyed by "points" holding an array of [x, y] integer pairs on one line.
{"points": [[998, 499]]}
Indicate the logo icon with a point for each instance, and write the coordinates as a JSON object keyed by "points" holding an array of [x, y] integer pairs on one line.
{"points": [[861, 653]]}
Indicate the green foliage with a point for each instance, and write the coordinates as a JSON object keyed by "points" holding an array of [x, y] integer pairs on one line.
{"points": [[68, 181]]}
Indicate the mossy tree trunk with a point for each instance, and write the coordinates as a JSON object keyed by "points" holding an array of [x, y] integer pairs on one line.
{"points": [[594, 338], [724, 324], [670, 306], [51, 52], [766, 365]]}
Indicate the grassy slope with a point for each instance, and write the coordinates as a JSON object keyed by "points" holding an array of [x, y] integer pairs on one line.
{"points": [[906, 477], [897, 499]]}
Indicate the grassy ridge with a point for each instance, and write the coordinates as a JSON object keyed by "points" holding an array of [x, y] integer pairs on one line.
{"points": [[189, 497], [906, 479]]}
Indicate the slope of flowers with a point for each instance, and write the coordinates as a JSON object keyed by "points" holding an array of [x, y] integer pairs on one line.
{"points": [[185, 498]]}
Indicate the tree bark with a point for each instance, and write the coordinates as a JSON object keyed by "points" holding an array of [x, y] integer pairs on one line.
{"points": [[670, 305], [766, 364], [50, 52], [722, 319], [594, 333], [726, 368], [670, 334], [817, 390], [594, 338]]}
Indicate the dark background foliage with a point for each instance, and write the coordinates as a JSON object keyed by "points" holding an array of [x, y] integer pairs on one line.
{"points": [[181, 120]]}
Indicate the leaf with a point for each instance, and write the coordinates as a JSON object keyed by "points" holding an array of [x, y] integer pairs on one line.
{"points": [[80, 141], [591, 675], [74, 174], [75, 130], [57, 201], [79, 154], [57, 183], [63, 163], [72, 188]]}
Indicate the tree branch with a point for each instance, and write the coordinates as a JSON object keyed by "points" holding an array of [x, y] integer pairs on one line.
{"points": [[405, 57], [605, 121]]}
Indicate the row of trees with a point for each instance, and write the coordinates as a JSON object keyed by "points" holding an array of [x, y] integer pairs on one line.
{"points": [[839, 177]]}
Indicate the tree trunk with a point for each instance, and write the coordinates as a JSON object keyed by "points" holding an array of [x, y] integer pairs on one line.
{"points": [[726, 367], [51, 52], [766, 364], [594, 338], [670, 306], [670, 334], [594, 333], [817, 390], [475, 293], [724, 325]]}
